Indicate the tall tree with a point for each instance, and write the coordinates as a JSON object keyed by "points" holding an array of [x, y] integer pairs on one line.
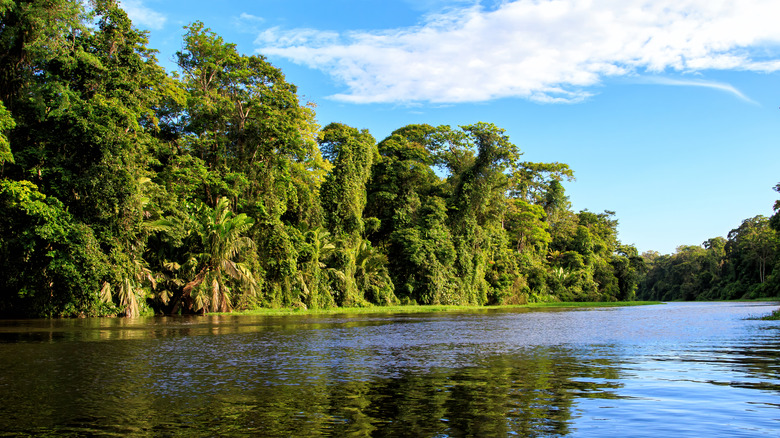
{"points": [[477, 205], [246, 136], [352, 153], [81, 86], [52, 264], [409, 200], [31, 33], [756, 244]]}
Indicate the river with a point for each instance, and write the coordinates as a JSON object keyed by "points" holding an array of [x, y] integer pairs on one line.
{"points": [[677, 369]]}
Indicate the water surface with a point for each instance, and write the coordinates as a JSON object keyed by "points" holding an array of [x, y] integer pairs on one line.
{"points": [[690, 369]]}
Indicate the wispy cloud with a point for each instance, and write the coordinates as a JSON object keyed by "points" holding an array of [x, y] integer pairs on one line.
{"points": [[143, 16], [541, 50], [248, 23], [250, 17], [728, 88], [433, 5]]}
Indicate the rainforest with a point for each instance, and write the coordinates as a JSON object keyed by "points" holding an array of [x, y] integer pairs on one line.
{"points": [[128, 190]]}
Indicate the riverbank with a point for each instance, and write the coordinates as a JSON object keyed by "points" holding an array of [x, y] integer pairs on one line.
{"points": [[431, 308]]}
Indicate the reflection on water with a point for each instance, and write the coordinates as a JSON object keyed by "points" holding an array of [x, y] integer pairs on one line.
{"points": [[678, 369]]}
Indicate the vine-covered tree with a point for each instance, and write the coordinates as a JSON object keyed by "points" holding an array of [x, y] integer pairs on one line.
{"points": [[127, 191], [352, 153]]}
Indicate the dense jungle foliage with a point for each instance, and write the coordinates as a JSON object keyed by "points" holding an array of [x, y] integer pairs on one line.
{"points": [[745, 265], [126, 190]]}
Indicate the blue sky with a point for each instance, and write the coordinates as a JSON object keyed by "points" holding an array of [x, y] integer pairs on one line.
{"points": [[666, 110]]}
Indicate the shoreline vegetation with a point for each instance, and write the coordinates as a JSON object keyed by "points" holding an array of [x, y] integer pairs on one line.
{"points": [[126, 190], [411, 309], [774, 316]]}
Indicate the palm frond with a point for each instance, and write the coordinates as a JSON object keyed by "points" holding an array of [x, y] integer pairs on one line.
{"points": [[189, 287], [158, 225], [171, 266], [231, 269], [127, 298], [222, 235], [105, 293]]}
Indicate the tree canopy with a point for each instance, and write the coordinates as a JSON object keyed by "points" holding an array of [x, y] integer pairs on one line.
{"points": [[125, 190]]}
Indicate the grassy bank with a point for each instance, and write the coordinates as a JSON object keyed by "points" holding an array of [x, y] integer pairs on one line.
{"points": [[750, 300], [774, 316], [431, 309], [593, 304]]}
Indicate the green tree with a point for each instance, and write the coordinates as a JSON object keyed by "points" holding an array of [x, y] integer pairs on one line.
{"points": [[344, 190], [477, 204], [222, 237], [32, 32], [751, 250], [316, 249], [243, 134], [6, 124], [52, 264], [409, 200], [343, 196], [81, 86], [423, 257], [527, 225], [371, 276]]}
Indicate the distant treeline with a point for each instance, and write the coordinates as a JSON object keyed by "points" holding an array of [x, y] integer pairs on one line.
{"points": [[745, 265], [125, 190]]}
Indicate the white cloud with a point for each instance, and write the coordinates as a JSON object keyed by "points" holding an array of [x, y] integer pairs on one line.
{"points": [[297, 39], [698, 83], [431, 5], [249, 17], [142, 15], [248, 23], [541, 50]]}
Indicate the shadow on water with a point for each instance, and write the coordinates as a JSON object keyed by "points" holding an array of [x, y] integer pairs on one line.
{"points": [[113, 329]]}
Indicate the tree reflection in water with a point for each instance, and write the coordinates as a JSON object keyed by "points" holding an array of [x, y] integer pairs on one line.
{"points": [[528, 394], [591, 373]]}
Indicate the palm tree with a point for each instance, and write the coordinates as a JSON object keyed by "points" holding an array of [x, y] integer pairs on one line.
{"points": [[371, 274], [320, 247], [135, 270], [221, 232]]}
